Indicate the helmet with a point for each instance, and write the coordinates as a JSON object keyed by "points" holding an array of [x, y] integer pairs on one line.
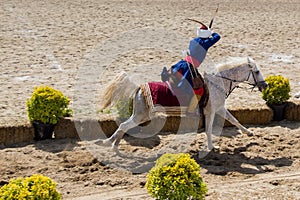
{"points": [[203, 32]]}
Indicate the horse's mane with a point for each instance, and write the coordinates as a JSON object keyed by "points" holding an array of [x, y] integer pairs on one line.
{"points": [[232, 62]]}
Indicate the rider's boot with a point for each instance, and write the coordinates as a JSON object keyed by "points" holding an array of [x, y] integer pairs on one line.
{"points": [[193, 105]]}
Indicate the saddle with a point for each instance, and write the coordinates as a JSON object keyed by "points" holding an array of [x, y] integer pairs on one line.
{"points": [[204, 99], [197, 80]]}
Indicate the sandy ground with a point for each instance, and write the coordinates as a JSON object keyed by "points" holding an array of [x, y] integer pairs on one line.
{"points": [[79, 47], [264, 166]]}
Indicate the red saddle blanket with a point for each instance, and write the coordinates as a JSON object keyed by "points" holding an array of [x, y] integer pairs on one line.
{"points": [[160, 94]]}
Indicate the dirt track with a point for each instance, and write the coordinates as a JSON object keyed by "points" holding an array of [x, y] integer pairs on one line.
{"points": [[53, 43], [265, 165]]}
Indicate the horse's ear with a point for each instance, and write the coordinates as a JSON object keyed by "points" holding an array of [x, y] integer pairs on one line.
{"points": [[249, 61]]}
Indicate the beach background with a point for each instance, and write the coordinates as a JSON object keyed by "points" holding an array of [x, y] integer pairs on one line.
{"points": [[78, 47]]}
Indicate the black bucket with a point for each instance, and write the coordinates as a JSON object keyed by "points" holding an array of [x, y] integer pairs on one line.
{"points": [[43, 131], [278, 111]]}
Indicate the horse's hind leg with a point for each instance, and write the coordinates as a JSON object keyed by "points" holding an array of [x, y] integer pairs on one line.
{"points": [[229, 117]]}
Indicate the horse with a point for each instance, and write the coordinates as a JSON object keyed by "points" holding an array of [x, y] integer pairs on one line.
{"points": [[221, 83]]}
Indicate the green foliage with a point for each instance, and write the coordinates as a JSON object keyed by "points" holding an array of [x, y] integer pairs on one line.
{"points": [[35, 187], [176, 176], [278, 90], [124, 108], [47, 105]]}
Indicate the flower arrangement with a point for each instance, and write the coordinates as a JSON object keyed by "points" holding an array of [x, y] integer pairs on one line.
{"points": [[47, 105], [278, 90], [176, 176], [33, 187]]}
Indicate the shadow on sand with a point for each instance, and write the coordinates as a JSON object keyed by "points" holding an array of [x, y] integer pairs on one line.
{"points": [[221, 163]]}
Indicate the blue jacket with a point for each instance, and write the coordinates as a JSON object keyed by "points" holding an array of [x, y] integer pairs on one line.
{"points": [[198, 48]]}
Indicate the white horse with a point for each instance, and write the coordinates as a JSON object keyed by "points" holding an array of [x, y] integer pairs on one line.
{"points": [[228, 76]]}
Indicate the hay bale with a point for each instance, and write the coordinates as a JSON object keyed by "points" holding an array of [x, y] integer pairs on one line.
{"points": [[292, 111], [16, 134], [174, 123], [65, 128], [108, 126], [259, 115]]}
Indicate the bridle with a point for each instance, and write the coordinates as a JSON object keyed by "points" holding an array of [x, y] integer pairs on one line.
{"points": [[251, 72]]}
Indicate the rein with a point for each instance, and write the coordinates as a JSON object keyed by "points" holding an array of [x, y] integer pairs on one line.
{"points": [[231, 88]]}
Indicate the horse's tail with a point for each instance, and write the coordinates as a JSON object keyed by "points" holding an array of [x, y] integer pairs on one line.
{"points": [[120, 88], [110, 90]]}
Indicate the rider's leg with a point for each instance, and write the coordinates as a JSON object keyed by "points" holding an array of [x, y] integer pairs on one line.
{"points": [[193, 103], [198, 93]]}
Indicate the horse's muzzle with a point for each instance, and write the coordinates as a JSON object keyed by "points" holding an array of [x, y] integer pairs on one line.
{"points": [[262, 85]]}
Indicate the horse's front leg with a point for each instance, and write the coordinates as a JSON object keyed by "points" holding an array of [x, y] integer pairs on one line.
{"points": [[123, 128], [139, 116], [229, 117], [209, 119], [115, 138], [130, 123]]}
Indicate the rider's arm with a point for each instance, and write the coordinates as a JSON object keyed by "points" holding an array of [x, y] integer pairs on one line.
{"points": [[215, 37]]}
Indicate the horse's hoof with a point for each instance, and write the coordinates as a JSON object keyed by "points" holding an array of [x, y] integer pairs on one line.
{"points": [[216, 149], [101, 142], [106, 142], [115, 148], [246, 131], [250, 133], [98, 142], [202, 153]]}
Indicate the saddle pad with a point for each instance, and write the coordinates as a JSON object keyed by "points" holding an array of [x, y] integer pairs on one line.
{"points": [[159, 98]]}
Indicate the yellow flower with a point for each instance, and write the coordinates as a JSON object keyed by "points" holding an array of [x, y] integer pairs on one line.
{"points": [[176, 176]]}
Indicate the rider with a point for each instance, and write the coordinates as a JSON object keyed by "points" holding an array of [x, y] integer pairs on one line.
{"points": [[186, 70]]}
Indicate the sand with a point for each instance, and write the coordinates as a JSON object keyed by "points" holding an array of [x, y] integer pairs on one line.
{"points": [[79, 46]]}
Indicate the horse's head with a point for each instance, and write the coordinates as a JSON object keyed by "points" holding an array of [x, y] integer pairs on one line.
{"points": [[257, 77]]}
